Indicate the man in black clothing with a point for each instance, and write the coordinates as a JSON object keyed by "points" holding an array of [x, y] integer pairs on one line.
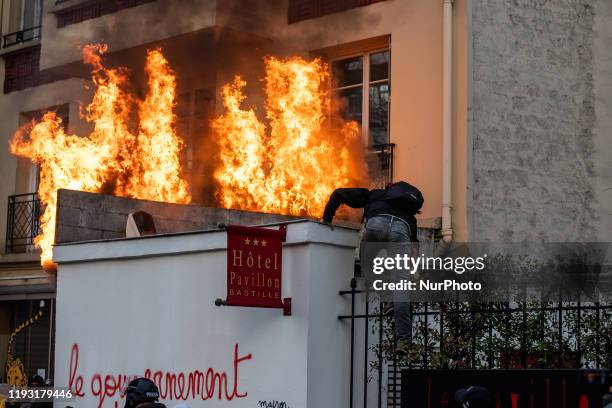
{"points": [[387, 203], [389, 216]]}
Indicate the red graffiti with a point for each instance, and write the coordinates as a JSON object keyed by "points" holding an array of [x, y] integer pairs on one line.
{"points": [[197, 384], [75, 382]]}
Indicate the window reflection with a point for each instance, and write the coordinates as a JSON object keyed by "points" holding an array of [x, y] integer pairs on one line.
{"points": [[379, 66], [365, 77], [379, 114], [348, 72]]}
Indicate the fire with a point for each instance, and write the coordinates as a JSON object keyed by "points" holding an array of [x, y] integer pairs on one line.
{"points": [[294, 167], [158, 146], [145, 165], [290, 166]]}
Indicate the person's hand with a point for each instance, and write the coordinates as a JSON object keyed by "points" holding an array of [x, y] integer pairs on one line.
{"points": [[329, 224]]}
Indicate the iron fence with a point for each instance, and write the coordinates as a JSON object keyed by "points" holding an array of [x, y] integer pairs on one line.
{"points": [[22, 223], [511, 335], [471, 336]]}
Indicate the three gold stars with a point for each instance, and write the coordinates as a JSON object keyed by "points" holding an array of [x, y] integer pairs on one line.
{"points": [[255, 242]]}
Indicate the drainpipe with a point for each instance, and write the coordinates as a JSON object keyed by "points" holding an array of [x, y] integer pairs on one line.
{"points": [[447, 114]]}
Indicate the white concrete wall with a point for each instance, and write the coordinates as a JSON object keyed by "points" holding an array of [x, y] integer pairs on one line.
{"points": [[149, 303]]}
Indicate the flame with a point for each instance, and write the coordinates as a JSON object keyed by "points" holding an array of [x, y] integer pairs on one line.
{"points": [[294, 167], [143, 166], [158, 146], [290, 166]]}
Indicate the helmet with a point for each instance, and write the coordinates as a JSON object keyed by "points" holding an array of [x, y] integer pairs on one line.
{"points": [[476, 397], [140, 390], [36, 381]]}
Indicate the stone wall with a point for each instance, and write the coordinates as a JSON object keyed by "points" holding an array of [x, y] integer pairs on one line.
{"points": [[88, 216], [535, 169]]}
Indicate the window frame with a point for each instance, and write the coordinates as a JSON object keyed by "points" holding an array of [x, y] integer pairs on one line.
{"points": [[37, 14], [365, 84]]}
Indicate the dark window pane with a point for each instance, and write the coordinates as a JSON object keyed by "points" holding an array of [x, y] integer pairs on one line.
{"points": [[348, 72], [350, 104], [379, 113], [31, 14], [379, 66]]}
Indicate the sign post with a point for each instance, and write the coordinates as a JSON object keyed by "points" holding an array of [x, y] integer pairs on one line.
{"points": [[254, 268]]}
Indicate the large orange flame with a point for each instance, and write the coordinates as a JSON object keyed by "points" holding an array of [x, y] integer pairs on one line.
{"points": [[141, 166], [158, 147], [291, 167], [294, 168]]}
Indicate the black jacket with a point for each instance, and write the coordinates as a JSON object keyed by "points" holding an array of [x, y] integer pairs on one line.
{"points": [[371, 201]]}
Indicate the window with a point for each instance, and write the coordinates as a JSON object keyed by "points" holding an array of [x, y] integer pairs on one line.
{"points": [[361, 89], [25, 21], [31, 11]]}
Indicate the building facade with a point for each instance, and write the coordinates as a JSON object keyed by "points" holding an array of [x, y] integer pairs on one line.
{"points": [[500, 112]]}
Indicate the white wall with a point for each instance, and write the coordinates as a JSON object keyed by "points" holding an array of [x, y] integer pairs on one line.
{"points": [[149, 303]]}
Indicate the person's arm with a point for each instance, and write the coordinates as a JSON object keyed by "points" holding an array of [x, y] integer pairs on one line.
{"points": [[353, 197]]}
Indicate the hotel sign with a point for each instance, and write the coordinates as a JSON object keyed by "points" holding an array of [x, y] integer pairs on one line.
{"points": [[254, 267]]}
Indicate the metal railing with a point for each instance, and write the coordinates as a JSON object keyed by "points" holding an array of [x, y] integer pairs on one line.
{"points": [[375, 333], [22, 224], [18, 37], [538, 335], [469, 337], [380, 163]]}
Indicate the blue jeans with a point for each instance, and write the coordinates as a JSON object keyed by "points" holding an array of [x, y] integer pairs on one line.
{"points": [[388, 228]]}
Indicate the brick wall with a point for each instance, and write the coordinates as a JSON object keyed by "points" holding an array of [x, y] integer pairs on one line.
{"points": [[93, 9], [306, 9]]}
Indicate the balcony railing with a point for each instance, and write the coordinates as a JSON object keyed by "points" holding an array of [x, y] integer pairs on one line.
{"points": [[18, 37], [380, 163], [23, 223]]}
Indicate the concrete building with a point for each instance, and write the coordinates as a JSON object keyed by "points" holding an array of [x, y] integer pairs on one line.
{"points": [[501, 111]]}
